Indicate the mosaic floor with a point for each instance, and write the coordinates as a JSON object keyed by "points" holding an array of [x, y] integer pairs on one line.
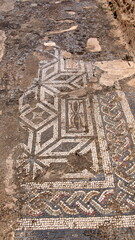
{"points": [[76, 169], [67, 122]]}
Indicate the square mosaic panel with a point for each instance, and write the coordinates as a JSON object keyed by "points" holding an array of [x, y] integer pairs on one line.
{"points": [[77, 167]]}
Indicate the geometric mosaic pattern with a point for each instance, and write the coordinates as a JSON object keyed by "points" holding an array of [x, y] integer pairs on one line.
{"points": [[78, 155]]}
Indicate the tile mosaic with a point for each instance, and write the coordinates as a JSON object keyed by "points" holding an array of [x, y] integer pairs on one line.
{"points": [[78, 156]]}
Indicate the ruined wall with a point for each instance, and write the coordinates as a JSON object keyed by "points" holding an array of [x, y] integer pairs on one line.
{"points": [[124, 11]]}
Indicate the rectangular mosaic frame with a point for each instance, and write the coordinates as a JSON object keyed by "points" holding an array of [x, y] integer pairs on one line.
{"points": [[108, 186]]}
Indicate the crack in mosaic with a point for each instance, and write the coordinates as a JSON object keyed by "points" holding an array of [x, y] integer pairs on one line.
{"points": [[78, 153]]}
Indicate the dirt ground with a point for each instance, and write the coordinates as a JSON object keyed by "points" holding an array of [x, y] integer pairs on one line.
{"points": [[124, 11], [24, 28]]}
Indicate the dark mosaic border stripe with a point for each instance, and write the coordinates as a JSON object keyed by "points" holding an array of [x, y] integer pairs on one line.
{"points": [[99, 234]]}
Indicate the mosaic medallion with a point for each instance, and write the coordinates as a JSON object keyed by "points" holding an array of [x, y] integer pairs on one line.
{"points": [[77, 165]]}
